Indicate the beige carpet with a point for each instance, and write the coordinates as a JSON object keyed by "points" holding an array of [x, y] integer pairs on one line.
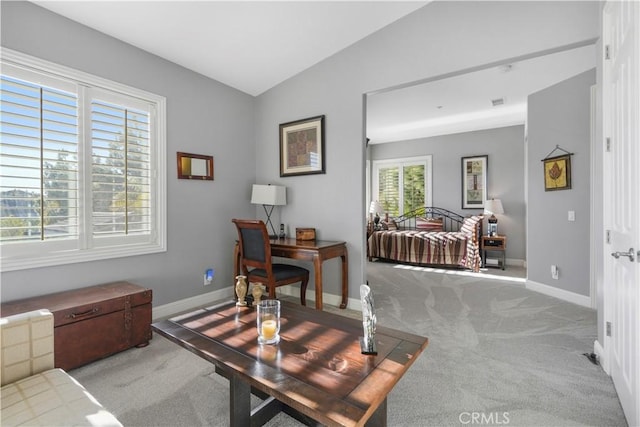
{"points": [[498, 354]]}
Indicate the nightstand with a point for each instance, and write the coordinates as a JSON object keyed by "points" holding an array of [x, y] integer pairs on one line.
{"points": [[493, 244]]}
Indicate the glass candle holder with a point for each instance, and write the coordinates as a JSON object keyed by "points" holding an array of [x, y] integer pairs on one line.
{"points": [[268, 321]]}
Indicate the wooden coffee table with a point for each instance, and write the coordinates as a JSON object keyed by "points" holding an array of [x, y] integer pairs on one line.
{"points": [[316, 373]]}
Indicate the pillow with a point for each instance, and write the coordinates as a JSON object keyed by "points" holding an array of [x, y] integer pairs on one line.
{"points": [[429, 224], [389, 225]]}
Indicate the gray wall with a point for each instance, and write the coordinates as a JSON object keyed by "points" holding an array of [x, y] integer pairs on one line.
{"points": [[560, 114], [441, 37], [203, 117], [505, 179]]}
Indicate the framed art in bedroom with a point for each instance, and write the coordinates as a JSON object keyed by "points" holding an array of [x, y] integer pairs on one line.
{"points": [[302, 147], [474, 181]]}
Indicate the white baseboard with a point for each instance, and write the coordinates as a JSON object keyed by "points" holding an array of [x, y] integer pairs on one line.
{"points": [[602, 356], [516, 262], [572, 297], [331, 299], [187, 304]]}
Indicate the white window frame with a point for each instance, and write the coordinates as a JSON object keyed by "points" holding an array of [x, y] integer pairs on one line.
{"points": [[34, 254], [400, 163]]}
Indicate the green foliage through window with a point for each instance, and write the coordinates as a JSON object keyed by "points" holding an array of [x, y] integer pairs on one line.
{"points": [[402, 186]]}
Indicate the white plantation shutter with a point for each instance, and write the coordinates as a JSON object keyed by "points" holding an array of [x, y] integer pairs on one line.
{"points": [[120, 177], [83, 171], [39, 175], [389, 189], [414, 185], [402, 185]]}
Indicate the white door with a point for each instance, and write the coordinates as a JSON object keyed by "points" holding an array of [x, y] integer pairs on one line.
{"points": [[621, 118]]}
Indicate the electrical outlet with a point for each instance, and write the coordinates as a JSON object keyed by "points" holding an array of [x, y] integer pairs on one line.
{"points": [[208, 276], [554, 272]]}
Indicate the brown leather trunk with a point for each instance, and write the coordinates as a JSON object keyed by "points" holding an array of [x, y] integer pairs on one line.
{"points": [[94, 322]]}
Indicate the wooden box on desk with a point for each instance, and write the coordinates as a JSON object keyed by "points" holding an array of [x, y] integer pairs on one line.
{"points": [[305, 234], [94, 322]]}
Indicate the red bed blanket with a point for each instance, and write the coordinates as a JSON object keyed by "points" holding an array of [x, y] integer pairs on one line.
{"points": [[425, 248]]}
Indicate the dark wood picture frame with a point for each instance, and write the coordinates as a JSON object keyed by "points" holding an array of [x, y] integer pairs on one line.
{"points": [[302, 147], [195, 166], [474, 181], [557, 173]]}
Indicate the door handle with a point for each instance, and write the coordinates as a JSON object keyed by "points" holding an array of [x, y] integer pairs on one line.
{"points": [[630, 254]]}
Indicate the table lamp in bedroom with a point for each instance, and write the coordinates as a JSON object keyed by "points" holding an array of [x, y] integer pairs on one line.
{"points": [[374, 209], [493, 206]]}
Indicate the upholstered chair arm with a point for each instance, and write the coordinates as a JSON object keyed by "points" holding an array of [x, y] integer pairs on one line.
{"points": [[27, 345]]}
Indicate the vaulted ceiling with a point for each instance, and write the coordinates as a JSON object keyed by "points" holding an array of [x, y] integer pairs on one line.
{"points": [[249, 45], [255, 45]]}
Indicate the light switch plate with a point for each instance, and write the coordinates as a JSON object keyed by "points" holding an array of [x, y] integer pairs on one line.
{"points": [[571, 216]]}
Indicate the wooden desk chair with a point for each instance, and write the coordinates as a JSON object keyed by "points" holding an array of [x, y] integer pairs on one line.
{"points": [[255, 253]]}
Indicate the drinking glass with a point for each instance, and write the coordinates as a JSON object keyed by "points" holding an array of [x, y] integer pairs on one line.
{"points": [[269, 321]]}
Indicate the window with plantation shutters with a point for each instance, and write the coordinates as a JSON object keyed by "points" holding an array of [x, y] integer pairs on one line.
{"points": [[82, 166], [120, 170], [39, 162], [402, 185], [414, 185], [388, 193]]}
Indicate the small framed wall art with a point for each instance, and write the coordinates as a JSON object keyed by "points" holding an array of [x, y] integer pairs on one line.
{"points": [[557, 173], [302, 147], [557, 170], [474, 181], [195, 166]]}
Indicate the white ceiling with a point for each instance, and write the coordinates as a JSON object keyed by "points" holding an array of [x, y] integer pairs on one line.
{"points": [[254, 45], [463, 103], [248, 45]]}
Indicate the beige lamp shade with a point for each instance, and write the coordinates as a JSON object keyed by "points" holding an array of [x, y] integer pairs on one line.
{"points": [[493, 206], [273, 195], [375, 207]]}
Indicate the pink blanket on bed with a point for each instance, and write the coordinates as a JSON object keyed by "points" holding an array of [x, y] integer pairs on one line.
{"points": [[424, 247]]}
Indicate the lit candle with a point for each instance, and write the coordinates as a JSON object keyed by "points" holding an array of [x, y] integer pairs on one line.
{"points": [[269, 329]]}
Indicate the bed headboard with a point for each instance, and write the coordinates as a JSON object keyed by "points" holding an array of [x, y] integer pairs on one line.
{"points": [[451, 221]]}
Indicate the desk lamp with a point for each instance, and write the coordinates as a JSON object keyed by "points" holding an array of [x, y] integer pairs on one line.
{"points": [[269, 196]]}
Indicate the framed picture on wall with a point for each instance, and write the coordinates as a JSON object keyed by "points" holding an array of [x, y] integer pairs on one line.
{"points": [[195, 166], [302, 147], [474, 181], [557, 173]]}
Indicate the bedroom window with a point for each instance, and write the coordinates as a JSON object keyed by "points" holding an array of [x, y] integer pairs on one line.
{"points": [[83, 166], [402, 185]]}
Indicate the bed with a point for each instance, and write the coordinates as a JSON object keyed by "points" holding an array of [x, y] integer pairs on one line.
{"points": [[428, 236]]}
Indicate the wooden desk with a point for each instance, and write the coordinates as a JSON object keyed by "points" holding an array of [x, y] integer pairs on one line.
{"points": [[316, 251], [316, 372]]}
